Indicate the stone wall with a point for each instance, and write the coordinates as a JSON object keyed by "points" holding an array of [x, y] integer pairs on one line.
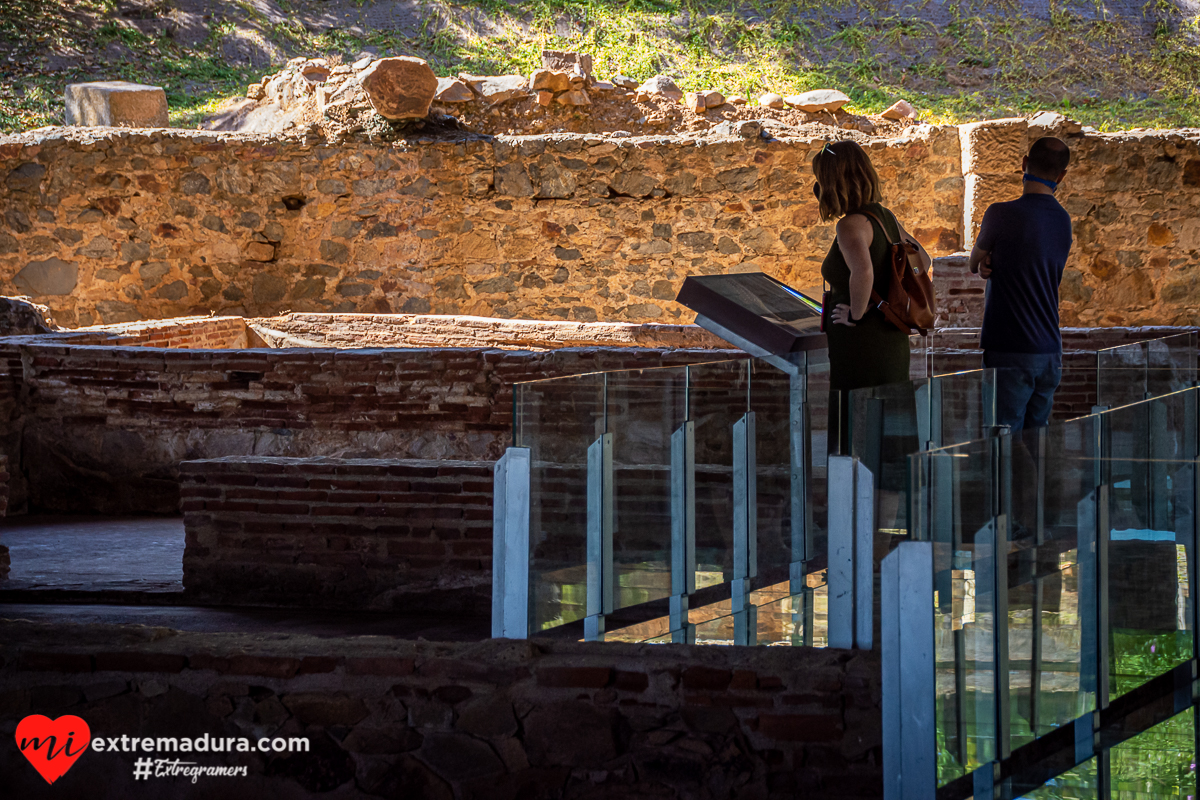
{"points": [[103, 429], [1132, 198], [497, 719], [339, 532], [116, 226]]}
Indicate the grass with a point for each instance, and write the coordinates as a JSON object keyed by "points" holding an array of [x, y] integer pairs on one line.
{"points": [[1104, 71]]}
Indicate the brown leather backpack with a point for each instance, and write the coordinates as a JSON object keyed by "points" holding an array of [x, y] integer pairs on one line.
{"points": [[910, 304]]}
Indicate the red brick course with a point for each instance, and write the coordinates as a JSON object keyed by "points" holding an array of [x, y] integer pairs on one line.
{"points": [[335, 532], [568, 718]]}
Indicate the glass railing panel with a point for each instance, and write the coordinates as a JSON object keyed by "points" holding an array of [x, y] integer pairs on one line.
{"points": [[718, 397], [962, 406], [884, 430], [645, 408], [1051, 601], [1159, 763], [770, 396], [1121, 375], [1171, 364], [817, 462], [954, 497], [1149, 478], [558, 420]]}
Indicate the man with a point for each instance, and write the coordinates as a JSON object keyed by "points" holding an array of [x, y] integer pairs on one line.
{"points": [[1021, 250]]}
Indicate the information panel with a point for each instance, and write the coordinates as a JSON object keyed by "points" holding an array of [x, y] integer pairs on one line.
{"points": [[756, 308]]}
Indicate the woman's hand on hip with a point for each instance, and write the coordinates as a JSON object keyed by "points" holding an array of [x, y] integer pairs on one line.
{"points": [[841, 315]]}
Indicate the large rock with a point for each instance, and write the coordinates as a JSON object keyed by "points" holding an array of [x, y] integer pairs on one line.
{"points": [[452, 90], [498, 88], [116, 104], [899, 110], [20, 316], [663, 86], [50, 277], [400, 88], [549, 80], [771, 100], [818, 100], [566, 61]]}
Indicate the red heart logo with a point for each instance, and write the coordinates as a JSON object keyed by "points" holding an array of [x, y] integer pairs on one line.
{"points": [[53, 745]]}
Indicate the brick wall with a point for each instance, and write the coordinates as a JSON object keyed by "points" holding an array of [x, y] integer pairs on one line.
{"points": [[4, 559], [959, 293], [495, 719], [110, 425], [205, 333], [339, 532]]}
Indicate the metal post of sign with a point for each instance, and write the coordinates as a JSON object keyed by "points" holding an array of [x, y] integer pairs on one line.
{"points": [[510, 545], [851, 553], [599, 536], [909, 727], [683, 530], [800, 447], [745, 529]]}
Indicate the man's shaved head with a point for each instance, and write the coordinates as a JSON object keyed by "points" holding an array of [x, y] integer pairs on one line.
{"points": [[1048, 158]]}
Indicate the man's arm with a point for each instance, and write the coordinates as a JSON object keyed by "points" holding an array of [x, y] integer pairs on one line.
{"points": [[981, 262], [981, 254]]}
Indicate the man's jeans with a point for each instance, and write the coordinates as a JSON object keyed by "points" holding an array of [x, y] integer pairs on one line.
{"points": [[1025, 384]]}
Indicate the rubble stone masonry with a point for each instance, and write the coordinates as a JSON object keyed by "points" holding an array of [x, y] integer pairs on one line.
{"points": [[117, 225], [498, 719]]}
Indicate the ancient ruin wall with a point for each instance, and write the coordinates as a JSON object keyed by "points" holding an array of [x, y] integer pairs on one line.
{"points": [[496, 719], [111, 226], [1134, 201], [363, 533], [104, 428]]}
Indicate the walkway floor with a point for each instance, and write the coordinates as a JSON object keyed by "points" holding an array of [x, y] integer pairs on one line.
{"points": [[94, 553], [313, 622]]}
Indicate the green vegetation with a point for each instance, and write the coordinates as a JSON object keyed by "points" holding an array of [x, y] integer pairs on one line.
{"points": [[983, 62]]}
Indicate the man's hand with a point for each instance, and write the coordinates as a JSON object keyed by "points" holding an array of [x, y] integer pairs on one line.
{"points": [[985, 267]]}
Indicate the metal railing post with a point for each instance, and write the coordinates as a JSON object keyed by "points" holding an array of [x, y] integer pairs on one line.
{"points": [[851, 553], [510, 545], [745, 529], [683, 530], [599, 536], [908, 680]]}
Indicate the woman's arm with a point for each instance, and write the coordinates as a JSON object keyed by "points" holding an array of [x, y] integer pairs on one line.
{"points": [[854, 235]]}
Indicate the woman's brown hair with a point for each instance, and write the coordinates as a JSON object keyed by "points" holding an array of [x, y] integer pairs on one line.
{"points": [[846, 177]]}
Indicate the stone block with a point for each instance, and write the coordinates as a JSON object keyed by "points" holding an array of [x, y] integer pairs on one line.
{"points": [[566, 61], [994, 147], [980, 192], [400, 88], [116, 104], [47, 278], [818, 100], [453, 90]]}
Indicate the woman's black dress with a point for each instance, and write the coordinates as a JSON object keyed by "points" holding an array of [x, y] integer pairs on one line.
{"points": [[873, 352]]}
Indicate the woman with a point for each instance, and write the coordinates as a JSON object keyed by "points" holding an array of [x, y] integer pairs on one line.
{"points": [[864, 348]]}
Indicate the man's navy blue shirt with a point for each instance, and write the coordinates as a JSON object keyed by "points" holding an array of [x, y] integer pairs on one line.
{"points": [[1028, 239]]}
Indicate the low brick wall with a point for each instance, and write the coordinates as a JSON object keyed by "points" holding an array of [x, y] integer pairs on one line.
{"points": [[410, 535], [495, 719], [5, 562], [184, 333], [110, 425]]}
